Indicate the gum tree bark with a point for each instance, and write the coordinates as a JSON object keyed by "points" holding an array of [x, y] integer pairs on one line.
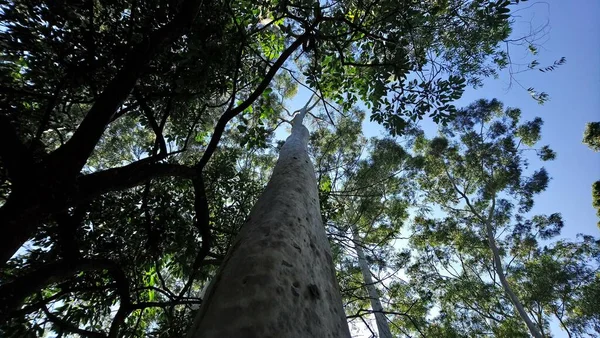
{"points": [[278, 278], [382, 324]]}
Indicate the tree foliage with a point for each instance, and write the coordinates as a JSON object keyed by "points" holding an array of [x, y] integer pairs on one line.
{"points": [[591, 137], [135, 136], [479, 193]]}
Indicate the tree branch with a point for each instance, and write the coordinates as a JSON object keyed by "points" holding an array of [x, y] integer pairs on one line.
{"points": [[66, 326], [116, 179], [155, 127], [20, 216], [233, 112], [13, 294], [202, 222], [72, 156], [16, 158]]}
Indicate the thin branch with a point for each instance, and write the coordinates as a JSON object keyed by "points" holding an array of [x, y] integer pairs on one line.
{"points": [[202, 222], [66, 326], [152, 121], [231, 113], [13, 294]]}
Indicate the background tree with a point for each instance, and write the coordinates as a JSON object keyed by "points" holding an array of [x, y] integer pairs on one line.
{"points": [[481, 252], [374, 197], [365, 190]]}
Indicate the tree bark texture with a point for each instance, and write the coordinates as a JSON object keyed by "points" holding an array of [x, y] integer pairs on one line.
{"points": [[380, 319], [278, 279]]}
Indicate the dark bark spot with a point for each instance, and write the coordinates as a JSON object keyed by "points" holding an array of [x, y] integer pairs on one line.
{"points": [[295, 158], [285, 263], [299, 219], [298, 248], [279, 290], [295, 292], [314, 291], [296, 284]]}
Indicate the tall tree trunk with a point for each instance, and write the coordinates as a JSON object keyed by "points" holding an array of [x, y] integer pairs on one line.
{"points": [[533, 329], [382, 325], [278, 279]]}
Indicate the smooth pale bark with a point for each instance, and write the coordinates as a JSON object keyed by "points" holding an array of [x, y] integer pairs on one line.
{"points": [[533, 329], [382, 324], [278, 279]]}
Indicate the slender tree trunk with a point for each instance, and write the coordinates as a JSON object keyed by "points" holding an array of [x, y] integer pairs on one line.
{"points": [[382, 324], [278, 279], [487, 222], [500, 272]]}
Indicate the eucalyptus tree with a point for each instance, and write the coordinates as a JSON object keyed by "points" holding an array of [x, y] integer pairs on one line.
{"points": [[480, 252], [108, 106], [278, 277], [364, 193], [375, 199]]}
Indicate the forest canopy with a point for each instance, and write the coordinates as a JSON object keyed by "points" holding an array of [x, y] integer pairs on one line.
{"points": [[136, 137]]}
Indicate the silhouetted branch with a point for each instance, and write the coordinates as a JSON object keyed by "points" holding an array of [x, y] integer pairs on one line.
{"points": [[13, 294], [231, 113], [69, 327], [16, 158], [160, 140], [202, 222], [72, 156]]}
